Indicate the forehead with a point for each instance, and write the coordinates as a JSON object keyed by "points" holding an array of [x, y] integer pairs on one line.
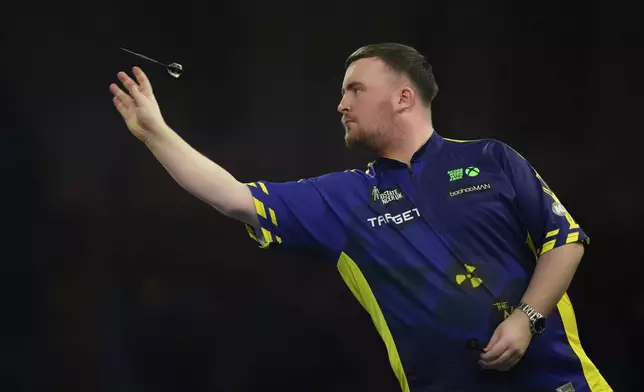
{"points": [[367, 70]]}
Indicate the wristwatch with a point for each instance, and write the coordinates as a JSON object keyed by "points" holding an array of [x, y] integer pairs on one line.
{"points": [[537, 321]]}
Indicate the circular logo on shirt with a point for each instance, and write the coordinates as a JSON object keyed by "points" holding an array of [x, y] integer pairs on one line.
{"points": [[472, 171], [559, 209]]}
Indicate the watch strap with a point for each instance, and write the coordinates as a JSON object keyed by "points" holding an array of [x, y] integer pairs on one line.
{"points": [[532, 314]]}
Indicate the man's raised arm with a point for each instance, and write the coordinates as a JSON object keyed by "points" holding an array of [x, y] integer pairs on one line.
{"points": [[194, 172]]}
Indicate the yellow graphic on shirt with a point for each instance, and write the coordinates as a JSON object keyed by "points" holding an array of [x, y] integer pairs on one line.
{"points": [[476, 282], [503, 306]]}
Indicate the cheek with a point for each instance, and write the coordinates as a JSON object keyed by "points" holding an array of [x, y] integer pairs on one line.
{"points": [[367, 110], [385, 111]]}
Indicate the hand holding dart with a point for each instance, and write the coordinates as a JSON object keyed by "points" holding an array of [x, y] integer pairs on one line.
{"points": [[138, 106], [174, 69]]}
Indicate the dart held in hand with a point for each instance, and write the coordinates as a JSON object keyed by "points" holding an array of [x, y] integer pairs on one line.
{"points": [[174, 69]]}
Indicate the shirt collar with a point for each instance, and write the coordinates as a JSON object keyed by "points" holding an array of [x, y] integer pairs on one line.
{"points": [[430, 147]]}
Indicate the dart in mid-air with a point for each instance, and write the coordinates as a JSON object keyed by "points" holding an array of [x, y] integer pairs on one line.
{"points": [[174, 69]]}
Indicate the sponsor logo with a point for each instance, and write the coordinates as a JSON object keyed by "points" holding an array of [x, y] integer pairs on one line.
{"points": [[457, 174], [567, 387], [386, 196], [396, 219], [466, 189], [472, 171], [559, 209]]}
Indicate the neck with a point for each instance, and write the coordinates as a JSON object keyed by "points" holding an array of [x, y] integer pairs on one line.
{"points": [[407, 142]]}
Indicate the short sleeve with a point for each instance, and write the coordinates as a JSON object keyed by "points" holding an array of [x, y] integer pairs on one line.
{"points": [[548, 223], [295, 214]]}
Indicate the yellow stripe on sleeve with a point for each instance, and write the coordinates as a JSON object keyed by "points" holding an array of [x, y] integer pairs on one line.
{"points": [[268, 237], [261, 185], [572, 237], [552, 233], [259, 207], [251, 232], [573, 224], [548, 246], [252, 184], [273, 217]]}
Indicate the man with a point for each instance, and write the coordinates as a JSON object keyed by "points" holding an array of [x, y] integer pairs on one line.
{"points": [[458, 250]]}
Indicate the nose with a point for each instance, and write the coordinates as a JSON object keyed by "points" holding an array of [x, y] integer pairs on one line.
{"points": [[343, 105]]}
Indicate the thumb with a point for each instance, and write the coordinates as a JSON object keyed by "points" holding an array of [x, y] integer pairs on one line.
{"points": [[495, 338]]}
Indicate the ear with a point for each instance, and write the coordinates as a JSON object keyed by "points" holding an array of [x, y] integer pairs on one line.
{"points": [[406, 97]]}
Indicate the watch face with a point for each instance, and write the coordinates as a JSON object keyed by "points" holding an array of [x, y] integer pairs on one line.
{"points": [[539, 325]]}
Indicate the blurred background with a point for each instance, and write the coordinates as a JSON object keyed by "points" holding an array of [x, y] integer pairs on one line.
{"points": [[116, 279]]}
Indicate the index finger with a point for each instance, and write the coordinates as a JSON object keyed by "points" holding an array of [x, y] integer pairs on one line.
{"points": [[142, 79]]}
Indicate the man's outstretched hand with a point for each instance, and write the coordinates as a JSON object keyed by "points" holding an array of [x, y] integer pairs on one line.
{"points": [[138, 107]]}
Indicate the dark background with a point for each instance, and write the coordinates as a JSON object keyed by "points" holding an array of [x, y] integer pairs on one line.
{"points": [[116, 279]]}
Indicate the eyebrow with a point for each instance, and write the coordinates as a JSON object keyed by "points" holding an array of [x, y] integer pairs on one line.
{"points": [[351, 86]]}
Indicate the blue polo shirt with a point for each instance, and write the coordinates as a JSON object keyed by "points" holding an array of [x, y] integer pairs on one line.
{"points": [[438, 253]]}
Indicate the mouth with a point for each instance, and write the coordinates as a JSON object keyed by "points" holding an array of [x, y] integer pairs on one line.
{"points": [[347, 120]]}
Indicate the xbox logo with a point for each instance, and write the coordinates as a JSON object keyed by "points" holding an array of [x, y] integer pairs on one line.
{"points": [[472, 171]]}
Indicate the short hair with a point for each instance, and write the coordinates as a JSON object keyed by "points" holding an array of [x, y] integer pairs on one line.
{"points": [[405, 60]]}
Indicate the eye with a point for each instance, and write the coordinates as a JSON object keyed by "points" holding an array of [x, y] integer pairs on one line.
{"points": [[354, 89]]}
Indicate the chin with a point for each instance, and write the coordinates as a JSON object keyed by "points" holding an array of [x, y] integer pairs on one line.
{"points": [[348, 140], [356, 143]]}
